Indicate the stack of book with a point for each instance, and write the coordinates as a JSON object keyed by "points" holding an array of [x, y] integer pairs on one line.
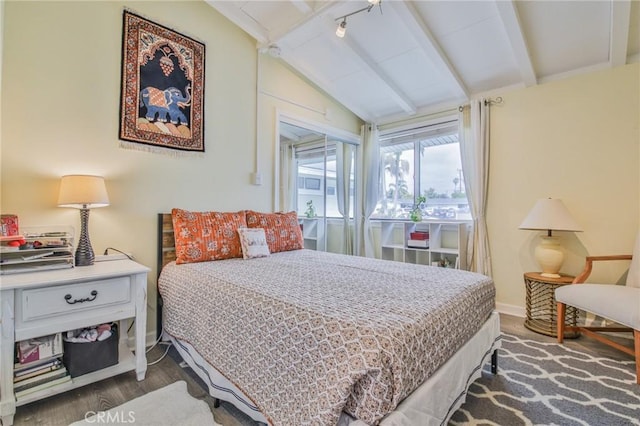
{"points": [[38, 375], [418, 239], [39, 365]]}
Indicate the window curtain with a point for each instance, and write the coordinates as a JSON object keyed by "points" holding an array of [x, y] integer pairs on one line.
{"points": [[474, 151], [288, 178], [370, 183], [344, 156]]}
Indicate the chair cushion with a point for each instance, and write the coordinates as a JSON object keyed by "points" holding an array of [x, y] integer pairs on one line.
{"points": [[633, 277], [615, 302]]}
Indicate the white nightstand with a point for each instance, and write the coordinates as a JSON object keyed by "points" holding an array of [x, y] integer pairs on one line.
{"points": [[37, 304]]}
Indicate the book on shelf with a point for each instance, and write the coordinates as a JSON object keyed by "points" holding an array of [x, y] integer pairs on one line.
{"points": [[40, 379], [20, 369], [45, 385], [36, 371], [40, 348], [418, 243]]}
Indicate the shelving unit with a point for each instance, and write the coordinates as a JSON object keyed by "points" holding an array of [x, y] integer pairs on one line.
{"points": [[313, 232], [447, 243]]}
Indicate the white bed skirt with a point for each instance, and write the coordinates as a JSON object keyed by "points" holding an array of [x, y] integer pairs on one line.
{"points": [[433, 403]]}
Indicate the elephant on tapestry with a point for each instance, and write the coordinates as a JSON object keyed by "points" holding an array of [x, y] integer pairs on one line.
{"points": [[165, 103]]}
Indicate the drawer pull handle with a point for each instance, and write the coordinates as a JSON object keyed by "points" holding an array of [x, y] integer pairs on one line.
{"points": [[68, 297]]}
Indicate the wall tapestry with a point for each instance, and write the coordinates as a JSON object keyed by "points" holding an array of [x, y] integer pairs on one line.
{"points": [[162, 98]]}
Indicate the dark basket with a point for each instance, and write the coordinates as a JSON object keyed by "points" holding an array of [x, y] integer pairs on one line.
{"points": [[83, 358]]}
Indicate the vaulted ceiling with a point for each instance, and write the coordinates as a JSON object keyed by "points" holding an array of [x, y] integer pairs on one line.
{"points": [[403, 58]]}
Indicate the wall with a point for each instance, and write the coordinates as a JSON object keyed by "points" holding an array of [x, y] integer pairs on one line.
{"points": [[575, 139], [60, 99]]}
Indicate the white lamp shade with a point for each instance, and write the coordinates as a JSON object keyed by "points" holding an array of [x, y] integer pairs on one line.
{"points": [[550, 214], [82, 191]]}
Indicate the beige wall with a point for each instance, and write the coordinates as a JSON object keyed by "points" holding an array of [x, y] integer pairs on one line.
{"points": [[575, 139], [60, 97]]}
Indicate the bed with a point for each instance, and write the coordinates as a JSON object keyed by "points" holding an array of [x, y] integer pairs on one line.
{"points": [[306, 337]]}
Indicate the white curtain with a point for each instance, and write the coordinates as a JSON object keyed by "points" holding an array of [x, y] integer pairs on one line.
{"points": [[344, 156], [474, 151], [288, 178], [370, 186]]}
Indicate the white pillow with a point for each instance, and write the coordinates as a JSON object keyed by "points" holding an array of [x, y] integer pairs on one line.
{"points": [[254, 243]]}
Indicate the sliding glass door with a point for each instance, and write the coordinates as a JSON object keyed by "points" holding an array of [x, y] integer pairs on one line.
{"points": [[317, 174]]}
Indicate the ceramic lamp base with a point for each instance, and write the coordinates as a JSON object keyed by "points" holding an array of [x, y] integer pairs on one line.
{"points": [[550, 256]]}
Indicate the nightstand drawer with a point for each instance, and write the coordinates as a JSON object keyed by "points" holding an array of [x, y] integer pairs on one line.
{"points": [[50, 301]]}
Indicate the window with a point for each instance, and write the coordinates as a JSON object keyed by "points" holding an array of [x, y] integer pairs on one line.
{"points": [[423, 161], [312, 183]]}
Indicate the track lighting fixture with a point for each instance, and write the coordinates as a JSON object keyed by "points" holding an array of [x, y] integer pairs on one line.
{"points": [[342, 26]]}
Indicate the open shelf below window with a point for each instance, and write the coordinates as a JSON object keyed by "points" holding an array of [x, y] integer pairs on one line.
{"points": [[446, 244]]}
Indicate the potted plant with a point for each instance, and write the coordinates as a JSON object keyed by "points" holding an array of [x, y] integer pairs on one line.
{"points": [[311, 210], [416, 212]]}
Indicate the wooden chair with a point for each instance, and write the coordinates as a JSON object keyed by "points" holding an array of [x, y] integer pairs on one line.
{"points": [[618, 303]]}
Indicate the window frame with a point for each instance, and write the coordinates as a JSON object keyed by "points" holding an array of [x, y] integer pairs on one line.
{"points": [[415, 134]]}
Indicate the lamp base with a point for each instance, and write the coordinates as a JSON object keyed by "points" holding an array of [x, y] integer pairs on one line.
{"points": [[84, 251], [548, 275], [549, 256]]}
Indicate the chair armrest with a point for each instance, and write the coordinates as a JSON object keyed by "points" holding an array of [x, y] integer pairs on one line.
{"points": [[588, 266]]}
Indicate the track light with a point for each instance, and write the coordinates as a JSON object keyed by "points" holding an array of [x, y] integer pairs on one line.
{"points": [[342, 28]]}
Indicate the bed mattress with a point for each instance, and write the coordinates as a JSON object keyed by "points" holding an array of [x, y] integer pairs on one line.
{"points": [[306, 335]]}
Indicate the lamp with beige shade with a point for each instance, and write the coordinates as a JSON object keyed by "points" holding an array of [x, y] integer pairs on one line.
{"points": [[83, 192], [549, 214]]}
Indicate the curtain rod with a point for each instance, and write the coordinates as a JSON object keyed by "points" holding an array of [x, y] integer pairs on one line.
{"points": [[487, 102]]}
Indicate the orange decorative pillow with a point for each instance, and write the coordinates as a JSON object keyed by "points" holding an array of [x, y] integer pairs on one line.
{"points": [[282, 230], [203, 236]]}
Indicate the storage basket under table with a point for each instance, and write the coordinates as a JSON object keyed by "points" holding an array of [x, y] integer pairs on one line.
{"points": [[542, 316]]}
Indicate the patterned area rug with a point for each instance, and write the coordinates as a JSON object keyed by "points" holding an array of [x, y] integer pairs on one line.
{"points": [[549, 384]]}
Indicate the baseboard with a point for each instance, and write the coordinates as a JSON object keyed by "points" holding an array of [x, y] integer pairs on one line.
{"points": [[516, 311], [150, 339]]}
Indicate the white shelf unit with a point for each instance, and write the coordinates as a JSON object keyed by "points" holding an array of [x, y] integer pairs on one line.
{"points": [[447, 242], [313, 232]]}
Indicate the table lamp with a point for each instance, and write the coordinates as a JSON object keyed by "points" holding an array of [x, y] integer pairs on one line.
{"points": [[83, 192], [551, 215]]}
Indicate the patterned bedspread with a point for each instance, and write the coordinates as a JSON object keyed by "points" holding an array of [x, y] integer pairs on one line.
{"points": [[307, 335]]}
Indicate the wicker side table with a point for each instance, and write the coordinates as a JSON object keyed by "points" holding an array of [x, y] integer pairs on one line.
{"points": [[542, 316]]}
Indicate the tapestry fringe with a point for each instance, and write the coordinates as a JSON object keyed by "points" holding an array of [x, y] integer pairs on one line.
{"points": [[160, 150]]}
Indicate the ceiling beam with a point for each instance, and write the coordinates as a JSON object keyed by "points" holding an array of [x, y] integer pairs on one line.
{"points": [[422, 35], [511, 21], [233, 13], [313, 14], [302, 6], [619, 33]]}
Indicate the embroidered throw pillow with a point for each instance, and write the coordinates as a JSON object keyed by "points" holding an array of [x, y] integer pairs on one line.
{"points": [[204, 236], [254, 243], [282, 230]]}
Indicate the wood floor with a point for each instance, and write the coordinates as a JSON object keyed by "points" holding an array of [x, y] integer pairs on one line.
{"points": [[60, 410]]}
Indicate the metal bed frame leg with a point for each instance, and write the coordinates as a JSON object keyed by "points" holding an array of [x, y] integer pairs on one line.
{"points": [[494, 362]]}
